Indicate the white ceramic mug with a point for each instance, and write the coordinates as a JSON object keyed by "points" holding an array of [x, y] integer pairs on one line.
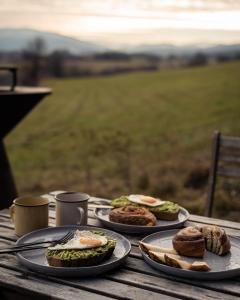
{"points": [[71, 208]]}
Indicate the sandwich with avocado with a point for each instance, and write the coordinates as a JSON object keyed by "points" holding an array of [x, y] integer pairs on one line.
{"points": [[86, 248], [163, 210]]}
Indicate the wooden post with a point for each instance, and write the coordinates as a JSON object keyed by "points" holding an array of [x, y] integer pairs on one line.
{"points": [[213, 173], [8, 191]]}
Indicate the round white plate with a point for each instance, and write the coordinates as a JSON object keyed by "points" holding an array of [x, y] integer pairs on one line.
{"points": [[103, 215], [221, 266], [36, 259]]}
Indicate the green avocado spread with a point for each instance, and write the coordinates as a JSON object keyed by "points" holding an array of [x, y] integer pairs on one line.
{"points": [[84, 253], [165, 207]]}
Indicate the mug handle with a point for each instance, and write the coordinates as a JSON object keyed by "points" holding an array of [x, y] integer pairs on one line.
{"points": [[12, 212], [81, 213]]}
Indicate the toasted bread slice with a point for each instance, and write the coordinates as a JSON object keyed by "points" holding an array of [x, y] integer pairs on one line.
{"points": [[80, 257], [55, 261], [166, 215], [175, 261], [167, 211]]}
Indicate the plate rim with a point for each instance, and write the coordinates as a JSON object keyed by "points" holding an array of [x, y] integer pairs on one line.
{"points": [[22, 258], [185, 212], [188, 272]]}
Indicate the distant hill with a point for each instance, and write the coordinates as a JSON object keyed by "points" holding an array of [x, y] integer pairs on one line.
{"points": [[166, 50], [17, 39]]}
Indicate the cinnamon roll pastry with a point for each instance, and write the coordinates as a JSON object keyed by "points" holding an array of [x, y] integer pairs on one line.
{"points": [[189, 242], [216, 239], [132, 215]]}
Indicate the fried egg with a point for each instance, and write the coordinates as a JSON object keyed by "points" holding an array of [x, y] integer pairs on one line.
{"points": [[82, 239], [145, 200]]}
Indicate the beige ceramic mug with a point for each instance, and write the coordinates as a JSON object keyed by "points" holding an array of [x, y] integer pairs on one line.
{"points": [[71, 208], [29, 213]]}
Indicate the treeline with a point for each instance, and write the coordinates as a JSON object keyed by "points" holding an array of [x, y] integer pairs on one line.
{"points": [[35, 63]]}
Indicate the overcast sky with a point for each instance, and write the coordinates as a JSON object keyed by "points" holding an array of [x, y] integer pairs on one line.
{"points": [[119, 22]]}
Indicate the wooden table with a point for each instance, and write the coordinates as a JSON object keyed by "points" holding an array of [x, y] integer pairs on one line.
{"points": [[134, 280]]}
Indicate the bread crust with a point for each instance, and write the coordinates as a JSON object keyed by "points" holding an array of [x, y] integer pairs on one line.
{"points": [[79, 262], [166, 216]]}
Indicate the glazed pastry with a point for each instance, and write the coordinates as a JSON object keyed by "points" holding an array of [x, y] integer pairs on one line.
{"points": [[216, 239], [132, 215], [189, 242]]}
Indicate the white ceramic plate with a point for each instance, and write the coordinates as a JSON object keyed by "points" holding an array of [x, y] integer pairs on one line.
{"points": [[221, 266], [36, 259], [103, 215]]}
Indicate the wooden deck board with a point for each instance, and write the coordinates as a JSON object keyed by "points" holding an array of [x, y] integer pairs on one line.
{"points": [[94, 285], [164, 285], [230, 286], [22, 282]]}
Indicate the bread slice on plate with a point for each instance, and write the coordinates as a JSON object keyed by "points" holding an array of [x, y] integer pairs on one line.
{"points": [[167, 211], [166, 215], [81, 257]]}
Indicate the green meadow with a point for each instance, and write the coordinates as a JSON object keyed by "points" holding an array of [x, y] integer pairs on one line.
{"points": [[137, 133]]}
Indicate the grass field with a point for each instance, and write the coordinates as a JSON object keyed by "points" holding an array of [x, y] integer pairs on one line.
{"points": [[142, 132]]}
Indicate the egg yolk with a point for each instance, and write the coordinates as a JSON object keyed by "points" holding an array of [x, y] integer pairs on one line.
{"points": [[149, 200], [90, 241]]}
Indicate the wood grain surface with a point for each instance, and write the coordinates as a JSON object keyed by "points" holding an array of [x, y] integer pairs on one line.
{"points": [[133, 280]]}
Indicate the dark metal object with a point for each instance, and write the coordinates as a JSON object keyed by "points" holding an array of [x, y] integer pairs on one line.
{"points": [[7, 185], [225, 150], [13, 71], [213, 174], [15, 104]]}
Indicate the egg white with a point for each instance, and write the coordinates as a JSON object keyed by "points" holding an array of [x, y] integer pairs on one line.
{"points": [[75, 242], [139, 199]]}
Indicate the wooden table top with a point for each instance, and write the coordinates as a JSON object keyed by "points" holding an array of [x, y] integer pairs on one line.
{"points": [[133, 280]]}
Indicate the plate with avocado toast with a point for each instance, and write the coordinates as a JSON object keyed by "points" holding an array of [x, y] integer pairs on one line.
{"points": [[141, 214], [89, 252]]}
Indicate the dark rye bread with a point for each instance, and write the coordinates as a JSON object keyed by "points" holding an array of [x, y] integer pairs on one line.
{"points": [[167, 212], [81, 258]]}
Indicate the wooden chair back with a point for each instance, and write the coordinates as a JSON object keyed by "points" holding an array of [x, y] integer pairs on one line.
{"points": [[225, 163]]}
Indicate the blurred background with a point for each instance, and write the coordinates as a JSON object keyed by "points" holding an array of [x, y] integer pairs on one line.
{"points": [[138, 89]]}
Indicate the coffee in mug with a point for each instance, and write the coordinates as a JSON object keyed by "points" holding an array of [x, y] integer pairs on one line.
{"points": [[29, 213], [71, 208]]}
